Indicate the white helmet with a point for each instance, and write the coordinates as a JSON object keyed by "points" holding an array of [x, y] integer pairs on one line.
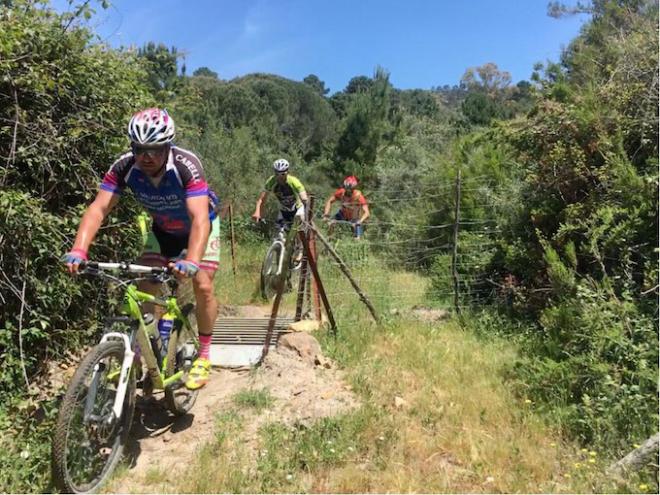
{"points": [[280, 165], [152, 126]]}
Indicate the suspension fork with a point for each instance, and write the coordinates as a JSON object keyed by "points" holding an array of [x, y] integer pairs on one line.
{"points": [[281, 256], [122, 385]]}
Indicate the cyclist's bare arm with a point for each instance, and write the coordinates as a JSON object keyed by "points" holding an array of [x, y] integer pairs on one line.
{"points": [[257, 209], [92, 220], [198, 209], [365, 213], [328, 205]]}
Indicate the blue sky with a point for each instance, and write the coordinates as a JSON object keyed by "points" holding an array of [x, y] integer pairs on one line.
{"points": [[422, 43]]}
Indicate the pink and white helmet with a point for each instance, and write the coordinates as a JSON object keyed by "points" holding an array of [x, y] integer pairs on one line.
{"points": [[152, 126], [350, 182]]}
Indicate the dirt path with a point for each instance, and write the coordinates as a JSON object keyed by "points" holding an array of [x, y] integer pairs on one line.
{"points": [[302, 390]]}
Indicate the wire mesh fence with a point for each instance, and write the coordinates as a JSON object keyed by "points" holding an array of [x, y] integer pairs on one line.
{"points": [[409, 262], [427, 248]]}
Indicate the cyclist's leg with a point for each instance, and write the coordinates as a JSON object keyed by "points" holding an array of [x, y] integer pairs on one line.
{"points": [[297, 247], [281, 222], [339, 216], [300, 213], [206, 307], [285, 219], [358, 229]]}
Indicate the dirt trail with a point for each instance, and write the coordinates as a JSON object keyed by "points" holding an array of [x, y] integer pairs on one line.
{"points": [[303, 392]]}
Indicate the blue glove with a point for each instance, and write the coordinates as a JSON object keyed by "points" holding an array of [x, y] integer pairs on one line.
{"points": [[74, 257], [187, 267]]}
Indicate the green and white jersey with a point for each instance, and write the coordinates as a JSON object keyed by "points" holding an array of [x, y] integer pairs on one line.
{"points": [[288, 194]]}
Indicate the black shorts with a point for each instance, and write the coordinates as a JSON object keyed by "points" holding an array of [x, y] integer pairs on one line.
{"points": [[170, 245]]}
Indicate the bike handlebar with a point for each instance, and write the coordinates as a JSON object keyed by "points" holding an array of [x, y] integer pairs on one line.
{"points": [[347, 222], [124, 267]]}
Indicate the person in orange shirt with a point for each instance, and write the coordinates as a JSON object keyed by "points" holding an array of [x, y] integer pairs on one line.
{"points": [[354, 207]]}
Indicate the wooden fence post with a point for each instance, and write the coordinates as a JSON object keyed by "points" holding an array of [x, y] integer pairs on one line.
{"points": [[304, 271], [233, 238], [319, 284]]}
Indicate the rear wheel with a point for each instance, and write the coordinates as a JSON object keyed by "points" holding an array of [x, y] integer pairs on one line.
{"points": [[180, 355], [89, 440]]}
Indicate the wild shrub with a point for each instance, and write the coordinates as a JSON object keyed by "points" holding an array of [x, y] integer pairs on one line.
{"points": [[594, 364], [67, 101]]}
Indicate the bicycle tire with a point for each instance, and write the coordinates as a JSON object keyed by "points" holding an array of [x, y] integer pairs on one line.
{"points": [[268, 280], [64, 463], [178, 398]]}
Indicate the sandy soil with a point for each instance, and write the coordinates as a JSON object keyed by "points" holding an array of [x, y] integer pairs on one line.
{"points": [[304, 390]]}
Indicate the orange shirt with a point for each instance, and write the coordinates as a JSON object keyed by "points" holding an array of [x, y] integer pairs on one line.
{"points": [[350, 205]]}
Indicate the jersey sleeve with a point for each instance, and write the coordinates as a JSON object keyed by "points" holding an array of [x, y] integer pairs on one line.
{"points": [[270, 183], [339, 193], [192, 173], [114, 179], [361, 200], [295, 184]]}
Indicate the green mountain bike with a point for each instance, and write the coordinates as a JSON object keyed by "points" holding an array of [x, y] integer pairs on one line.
{"points": [[97, 410]]}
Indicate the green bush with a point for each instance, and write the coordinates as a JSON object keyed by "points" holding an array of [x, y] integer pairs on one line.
{"points": [[594, 363], [70, 101]]}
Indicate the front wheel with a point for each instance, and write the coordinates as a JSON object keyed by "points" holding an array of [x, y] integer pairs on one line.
{"points": [[269, 271], [89, 440]]}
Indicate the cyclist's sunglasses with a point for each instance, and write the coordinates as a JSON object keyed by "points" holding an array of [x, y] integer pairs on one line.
{"points": [[151, 152], [281, 174]]}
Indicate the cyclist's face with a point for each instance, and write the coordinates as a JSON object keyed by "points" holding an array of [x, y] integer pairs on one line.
{"points": [[150, 158], [281, 177]]}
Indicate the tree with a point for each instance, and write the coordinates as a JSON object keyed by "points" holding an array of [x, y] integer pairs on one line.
{"points": [[480, 109], [370, 120], [205, 72], [162, 66], [487, 78], [419, 102], [359, 84], [317, 84]]}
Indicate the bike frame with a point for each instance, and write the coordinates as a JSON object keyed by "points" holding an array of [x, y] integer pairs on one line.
{"points": [[133, 300]]}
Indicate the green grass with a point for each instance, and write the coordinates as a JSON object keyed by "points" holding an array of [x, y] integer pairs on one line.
{"points": [[254, 399], [243, 288], [460, 428], [26, 429]]}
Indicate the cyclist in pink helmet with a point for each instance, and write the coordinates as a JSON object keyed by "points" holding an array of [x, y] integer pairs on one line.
{"points": [[354, 207], [169, 182]]}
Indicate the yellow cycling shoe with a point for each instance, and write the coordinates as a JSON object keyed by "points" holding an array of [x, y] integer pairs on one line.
{"points": [[199, 374]]}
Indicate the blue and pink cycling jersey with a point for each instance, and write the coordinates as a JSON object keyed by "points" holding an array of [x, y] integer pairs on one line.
{"points": [[166, 202]]}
